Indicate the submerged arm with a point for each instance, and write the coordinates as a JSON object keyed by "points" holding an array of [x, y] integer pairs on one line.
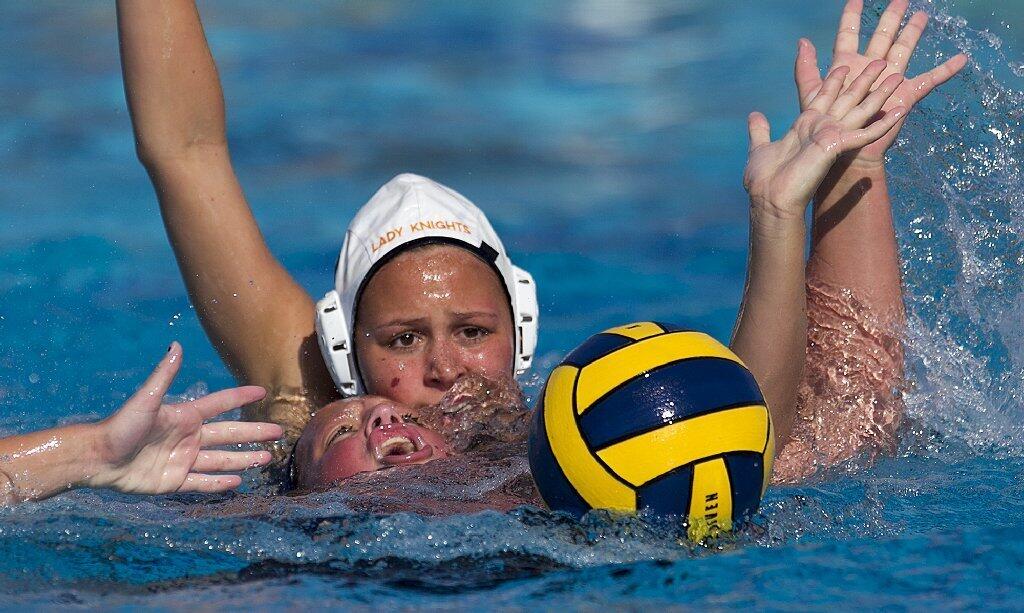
{"points": [[259, 319]]}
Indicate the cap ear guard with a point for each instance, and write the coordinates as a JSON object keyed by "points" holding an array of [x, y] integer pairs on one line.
{"points": [[335, 338], [526, 313]]}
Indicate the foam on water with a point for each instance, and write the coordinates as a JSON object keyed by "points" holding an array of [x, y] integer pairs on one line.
{"points": [[960, 192]]}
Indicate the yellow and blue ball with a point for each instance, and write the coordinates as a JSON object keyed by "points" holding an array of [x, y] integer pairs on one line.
{"points": [[653, 417]]}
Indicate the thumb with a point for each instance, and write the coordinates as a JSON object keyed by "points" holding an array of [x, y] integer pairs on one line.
{"points": [[150, 395], [806, 72], [759, 130]]}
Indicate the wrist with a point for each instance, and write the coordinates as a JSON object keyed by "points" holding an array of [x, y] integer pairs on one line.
{"points": [[866, 165], [768, 222], [97, 469], [848, 172]]}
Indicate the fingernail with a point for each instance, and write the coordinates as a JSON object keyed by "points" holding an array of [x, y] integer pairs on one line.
{"points": [[169, 347]]}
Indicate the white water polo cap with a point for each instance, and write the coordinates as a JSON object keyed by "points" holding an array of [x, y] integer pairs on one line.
{"points": [[407, 211]]}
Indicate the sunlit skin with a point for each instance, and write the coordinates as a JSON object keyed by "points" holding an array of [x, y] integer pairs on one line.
{"points": [[413, 338], [359, 435], [429, 317]]}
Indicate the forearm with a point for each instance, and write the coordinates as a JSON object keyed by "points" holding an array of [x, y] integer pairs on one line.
{"points": [[40, 464], [254, 312], [771, 329], [853, 245], [174, 94]]}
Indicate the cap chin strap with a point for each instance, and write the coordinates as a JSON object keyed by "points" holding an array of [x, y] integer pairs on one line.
{"points": [[335, 337]]}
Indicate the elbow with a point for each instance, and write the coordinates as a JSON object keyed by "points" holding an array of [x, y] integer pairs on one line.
{"points": [[155, 155], [8, 492]]}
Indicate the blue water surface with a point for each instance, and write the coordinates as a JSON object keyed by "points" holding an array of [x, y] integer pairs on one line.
{"points": [[606, 140]]}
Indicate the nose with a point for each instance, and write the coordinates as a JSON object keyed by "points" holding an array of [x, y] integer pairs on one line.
{"points": [[382, 415], [444, 367]]}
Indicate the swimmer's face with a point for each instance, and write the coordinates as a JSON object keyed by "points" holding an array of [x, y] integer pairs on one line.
{"points": [[428, 318], [362, 434]]}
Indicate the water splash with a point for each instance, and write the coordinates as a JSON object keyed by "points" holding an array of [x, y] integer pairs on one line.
{"points": [[958, 193], [477, 411], [848, 405]]}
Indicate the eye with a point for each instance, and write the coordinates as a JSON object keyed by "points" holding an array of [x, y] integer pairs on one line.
{"points": [[340, 434], [403, 341], [474, 333]]}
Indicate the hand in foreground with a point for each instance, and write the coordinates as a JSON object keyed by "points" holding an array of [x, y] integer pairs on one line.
{"points": [[148, 447], [782, 176], [884, 45]]}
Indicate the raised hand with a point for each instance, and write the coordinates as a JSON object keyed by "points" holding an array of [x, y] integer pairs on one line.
{"points": [[782, 176], [148, 447], [888, 43]]}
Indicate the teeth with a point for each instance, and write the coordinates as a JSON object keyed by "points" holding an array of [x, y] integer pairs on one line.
{"points": [[397, 445]]}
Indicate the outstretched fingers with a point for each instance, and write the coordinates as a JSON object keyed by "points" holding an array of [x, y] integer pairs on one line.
{"points": [[759, 130], [226, 400], [830, 90], [149, 396], [848, 36], [209, 484], [923, 85], [238, 432], [858, 90], [229, 461], [888, 28], [865, 136], [899, 54], [806, 72], [863, 112]]}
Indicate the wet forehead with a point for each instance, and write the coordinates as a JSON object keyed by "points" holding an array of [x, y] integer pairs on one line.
{"points": [[422, 282], [437, 265]]}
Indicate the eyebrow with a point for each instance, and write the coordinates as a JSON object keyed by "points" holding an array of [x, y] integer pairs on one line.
{"points": [[474, 314], [402, 322], [459, 316]]}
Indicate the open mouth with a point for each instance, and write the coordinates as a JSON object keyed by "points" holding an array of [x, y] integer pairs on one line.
{"points": [[399, 444]]}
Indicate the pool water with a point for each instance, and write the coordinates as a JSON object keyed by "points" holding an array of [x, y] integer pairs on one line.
{"points": [[606, 141]]}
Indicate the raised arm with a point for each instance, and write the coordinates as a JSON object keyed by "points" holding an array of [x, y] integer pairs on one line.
{"points": [[259, 319], [852, 211], [781, 177], [848, 399], [146, 447]]}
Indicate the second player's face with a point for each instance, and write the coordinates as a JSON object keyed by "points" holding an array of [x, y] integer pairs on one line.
{"points": [[362, 434], [428, 318]]}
